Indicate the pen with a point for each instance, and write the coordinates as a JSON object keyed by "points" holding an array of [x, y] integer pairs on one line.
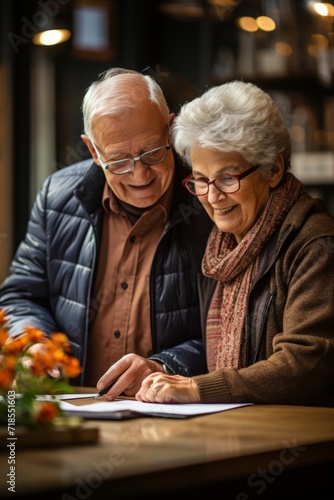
{"points": [[104, 391]]}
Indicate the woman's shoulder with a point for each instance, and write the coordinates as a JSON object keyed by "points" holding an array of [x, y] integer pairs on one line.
{"points": [[311, 215]]}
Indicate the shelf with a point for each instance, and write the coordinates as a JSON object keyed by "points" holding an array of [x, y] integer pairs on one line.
{"points": [[304, 83], [314, 168]]}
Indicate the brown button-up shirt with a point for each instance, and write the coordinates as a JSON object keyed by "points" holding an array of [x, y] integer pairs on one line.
{"points": [[120, 308]]}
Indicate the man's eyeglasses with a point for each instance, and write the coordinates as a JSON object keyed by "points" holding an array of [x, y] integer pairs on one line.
{"points": [[149, 158], [225, 183]]}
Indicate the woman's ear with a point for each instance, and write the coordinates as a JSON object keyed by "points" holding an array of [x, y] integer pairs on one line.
{"points": [[277, 171]]}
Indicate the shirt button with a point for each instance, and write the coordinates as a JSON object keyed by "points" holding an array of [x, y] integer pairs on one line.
{"points": [[124, 285], [132, 239], [117, 334]]}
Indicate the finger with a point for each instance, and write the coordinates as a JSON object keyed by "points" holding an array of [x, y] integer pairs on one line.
{"points": [[124, 385], [143, 393], [110, 375], [153, 390], [115, 371], [149, 396], [139, 398], [131, 390], [149, 380], [148, 391]]}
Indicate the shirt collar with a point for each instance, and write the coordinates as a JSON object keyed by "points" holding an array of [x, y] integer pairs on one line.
{"points": [[111, 203]]}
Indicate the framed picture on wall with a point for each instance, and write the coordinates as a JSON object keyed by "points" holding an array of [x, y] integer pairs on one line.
{"points": [[95, 30]]}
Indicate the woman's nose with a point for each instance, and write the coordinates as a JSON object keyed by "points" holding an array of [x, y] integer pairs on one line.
{"points": [[214, 194]]}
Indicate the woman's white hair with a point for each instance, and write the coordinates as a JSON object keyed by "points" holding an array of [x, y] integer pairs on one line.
{"points": [[234, 117], [103, 97]]}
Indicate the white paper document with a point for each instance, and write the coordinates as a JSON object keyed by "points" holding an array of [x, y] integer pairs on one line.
{"points": [[76, 395], [122, 409]]}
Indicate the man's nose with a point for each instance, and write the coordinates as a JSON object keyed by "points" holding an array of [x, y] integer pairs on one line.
{"points": [[140, 168]]}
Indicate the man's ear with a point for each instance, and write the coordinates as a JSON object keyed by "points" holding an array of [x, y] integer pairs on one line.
{"points": [[90, 146], [277, 171], [171, 118]]}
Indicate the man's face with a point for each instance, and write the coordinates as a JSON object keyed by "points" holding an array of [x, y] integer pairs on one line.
{"points": [[133, 132]]}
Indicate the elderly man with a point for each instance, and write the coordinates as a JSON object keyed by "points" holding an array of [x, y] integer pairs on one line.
{"points": [[113, 250]]}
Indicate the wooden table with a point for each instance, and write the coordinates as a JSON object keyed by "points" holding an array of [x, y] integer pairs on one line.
{"points": [[251, 452]]}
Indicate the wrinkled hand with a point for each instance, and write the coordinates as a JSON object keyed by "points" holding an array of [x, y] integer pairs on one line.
{"points": [[163, 388], [131, 370]]}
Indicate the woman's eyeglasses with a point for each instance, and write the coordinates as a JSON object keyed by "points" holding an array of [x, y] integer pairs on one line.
{"points": [[225, 183]]}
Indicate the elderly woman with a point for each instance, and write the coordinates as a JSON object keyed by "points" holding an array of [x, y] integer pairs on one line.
{"points": [[270, 324]]}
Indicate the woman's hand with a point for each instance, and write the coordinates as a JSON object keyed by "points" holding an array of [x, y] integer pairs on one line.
{"points": [[162, 388]]}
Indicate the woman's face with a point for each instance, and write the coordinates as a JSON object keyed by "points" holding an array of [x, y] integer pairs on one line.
{"points": [[233, 213]]}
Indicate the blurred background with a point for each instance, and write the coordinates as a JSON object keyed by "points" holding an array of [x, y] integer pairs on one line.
{"points": [[284, 46]]}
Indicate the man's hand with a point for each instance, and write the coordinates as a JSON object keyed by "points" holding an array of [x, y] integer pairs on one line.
{"points": [[130, 370], [162, 388]]}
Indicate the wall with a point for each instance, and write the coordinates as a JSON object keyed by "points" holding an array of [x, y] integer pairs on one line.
{"points": [[42, 89], [5, 158]]}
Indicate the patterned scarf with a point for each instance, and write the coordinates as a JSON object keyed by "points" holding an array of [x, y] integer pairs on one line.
{"points": [[235, 267]]}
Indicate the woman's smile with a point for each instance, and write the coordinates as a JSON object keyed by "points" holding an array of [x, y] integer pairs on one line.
{"points": [[223, 211]]}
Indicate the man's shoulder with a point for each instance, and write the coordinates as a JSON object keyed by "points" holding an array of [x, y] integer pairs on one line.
{"points": [[75, 170], [83, 180], [84, 176]]}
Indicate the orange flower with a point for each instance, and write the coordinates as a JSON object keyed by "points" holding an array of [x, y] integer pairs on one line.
{"points": [[52, 354], [58, 356], [37, 365], [15, 345], [27, 361], [41, 362], [34, 335], [60, 340], [3, 336], [6, 378], [46, 412], [49, 346], [10, 362], [71, 367], [22, 352], [3, 318]]}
